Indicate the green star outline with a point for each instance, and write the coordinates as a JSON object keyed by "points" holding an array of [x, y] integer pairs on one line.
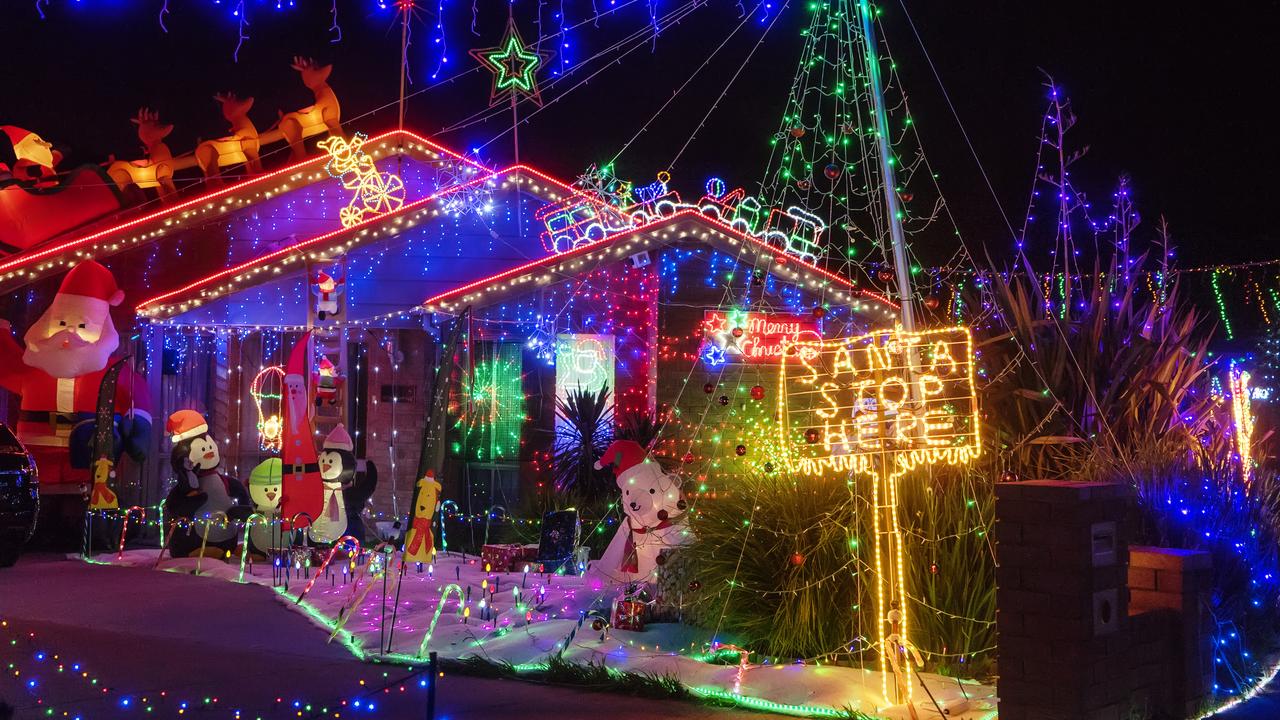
{"points": [[513, 65]]}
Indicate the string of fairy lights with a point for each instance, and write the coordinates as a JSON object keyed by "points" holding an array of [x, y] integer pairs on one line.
{"points": [[823, 167], [40, 667]]}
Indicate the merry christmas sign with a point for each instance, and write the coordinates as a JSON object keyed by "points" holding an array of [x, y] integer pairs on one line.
{"points": [[753, 337], [905, 399]]}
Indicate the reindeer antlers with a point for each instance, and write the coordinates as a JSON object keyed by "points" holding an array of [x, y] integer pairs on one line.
{"points": [[146, 116]]}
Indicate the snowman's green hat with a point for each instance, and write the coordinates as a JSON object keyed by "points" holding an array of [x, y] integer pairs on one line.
{"points": [[268, 472]]}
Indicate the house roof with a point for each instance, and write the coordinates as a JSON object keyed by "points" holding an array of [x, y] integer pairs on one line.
{"points": [[120, 232], [684, 225], [331, 244]]}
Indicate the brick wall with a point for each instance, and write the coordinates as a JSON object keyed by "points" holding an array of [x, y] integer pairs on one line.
{"points": [[1172, 653], [1060, 614], [1089, 628]]}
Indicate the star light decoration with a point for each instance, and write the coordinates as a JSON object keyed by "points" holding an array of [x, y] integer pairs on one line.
{"points": [[514, 66]]}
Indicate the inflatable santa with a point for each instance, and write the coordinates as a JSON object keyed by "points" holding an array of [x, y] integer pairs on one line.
{"points": [[59, 376], [26, 156], [653, 515]]}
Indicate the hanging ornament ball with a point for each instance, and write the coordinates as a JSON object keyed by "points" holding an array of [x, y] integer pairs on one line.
{"points": [[661, 559], [709, 388], [694, 586], [599, 624], [768, 467], [819, 312], [797, 559], [802, 184], [832, 171], [1008, 476], [932, 302], [724, 399], [797, 132], [741, 450], [688, 458], [934, 568], [906, 196], [811, 435], [885, 275], [757, 392], [737, 332]]}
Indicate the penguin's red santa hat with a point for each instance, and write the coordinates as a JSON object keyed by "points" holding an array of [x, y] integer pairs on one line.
{"points": [[184, 425], [339, 439], [622, 455]]}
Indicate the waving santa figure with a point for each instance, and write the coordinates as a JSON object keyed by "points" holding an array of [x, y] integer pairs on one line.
{"points": [[59, 374]]}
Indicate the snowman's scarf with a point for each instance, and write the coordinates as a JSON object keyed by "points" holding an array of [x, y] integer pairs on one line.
{"points": [[630, 556]]}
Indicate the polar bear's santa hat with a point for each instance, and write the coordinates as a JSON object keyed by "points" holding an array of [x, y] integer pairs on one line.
{"points": [[622, 455]]}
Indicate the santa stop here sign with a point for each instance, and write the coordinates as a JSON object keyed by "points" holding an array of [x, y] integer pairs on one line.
{"points": [[851, 404], [880, 405]]}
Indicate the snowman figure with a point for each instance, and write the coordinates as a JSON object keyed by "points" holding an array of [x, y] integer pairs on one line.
{"points": [[653, 515], [326, 290], [345, 491], [265, 484], [201, 492]]}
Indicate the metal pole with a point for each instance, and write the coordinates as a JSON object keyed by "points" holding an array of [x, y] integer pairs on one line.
{"points": [[431, 684], [406, 7], [896, 237]]}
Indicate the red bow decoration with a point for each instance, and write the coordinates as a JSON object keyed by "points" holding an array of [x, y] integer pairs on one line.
{"points": [[630, 559], [423, 526]]}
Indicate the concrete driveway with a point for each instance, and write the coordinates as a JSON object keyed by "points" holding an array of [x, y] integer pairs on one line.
{"points": [[143, 633]]}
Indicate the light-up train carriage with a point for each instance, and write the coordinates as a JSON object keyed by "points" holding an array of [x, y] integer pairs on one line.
{"points": [[577, 220]]}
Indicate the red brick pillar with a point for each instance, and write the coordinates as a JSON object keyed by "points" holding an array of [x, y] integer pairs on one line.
{"points": [[1061, 600], [1173, 632]]}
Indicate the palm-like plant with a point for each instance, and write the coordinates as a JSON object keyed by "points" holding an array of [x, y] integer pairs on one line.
{"points": [[584, 428], [1105, 388]]}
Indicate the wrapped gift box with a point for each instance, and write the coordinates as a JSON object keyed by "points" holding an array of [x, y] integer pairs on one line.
{"points": [[628, 615], [508, 557]]}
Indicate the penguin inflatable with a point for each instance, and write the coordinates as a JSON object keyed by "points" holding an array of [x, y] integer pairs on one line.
{"points": [[345, 491], [201, 491], [265, 485]]}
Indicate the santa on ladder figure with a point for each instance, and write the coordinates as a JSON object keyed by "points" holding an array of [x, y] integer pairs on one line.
{"points": [[59, 373]]}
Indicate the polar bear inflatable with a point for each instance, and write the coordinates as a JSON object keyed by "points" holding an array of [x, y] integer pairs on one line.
{"points": [[653, 515]]}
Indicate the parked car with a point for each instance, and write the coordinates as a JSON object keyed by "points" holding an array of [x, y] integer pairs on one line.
{"points": [[19, 496]]}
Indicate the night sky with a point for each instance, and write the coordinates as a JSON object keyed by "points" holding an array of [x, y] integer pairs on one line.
{"points": [[1173, 94]]}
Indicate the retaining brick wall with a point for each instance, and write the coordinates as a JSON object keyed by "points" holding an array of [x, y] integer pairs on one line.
{"points": [[1089, 628]]}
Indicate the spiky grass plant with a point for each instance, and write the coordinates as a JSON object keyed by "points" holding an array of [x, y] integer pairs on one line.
{"points": [[946, 517], [584, 428], [1103, 388], [779, 562]]}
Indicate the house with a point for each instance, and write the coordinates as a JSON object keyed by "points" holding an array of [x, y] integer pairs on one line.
{"points": [[680, 309]]}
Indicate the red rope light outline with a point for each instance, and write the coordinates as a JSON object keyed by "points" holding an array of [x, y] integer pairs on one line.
{"points": [[24, 260]]}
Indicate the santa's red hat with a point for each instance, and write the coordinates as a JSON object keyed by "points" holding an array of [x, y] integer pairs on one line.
{"points": [[92, 279], [15, 133], [622, 455], [339, 439], [185, 424]]}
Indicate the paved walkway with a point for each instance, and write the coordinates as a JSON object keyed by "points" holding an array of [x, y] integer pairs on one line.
{"points": [[1263, 706], [144, 632]]}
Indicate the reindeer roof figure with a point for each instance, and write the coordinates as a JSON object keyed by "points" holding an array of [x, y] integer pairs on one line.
{"points": [[239, 147], [156, 171], [324, 115]]}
